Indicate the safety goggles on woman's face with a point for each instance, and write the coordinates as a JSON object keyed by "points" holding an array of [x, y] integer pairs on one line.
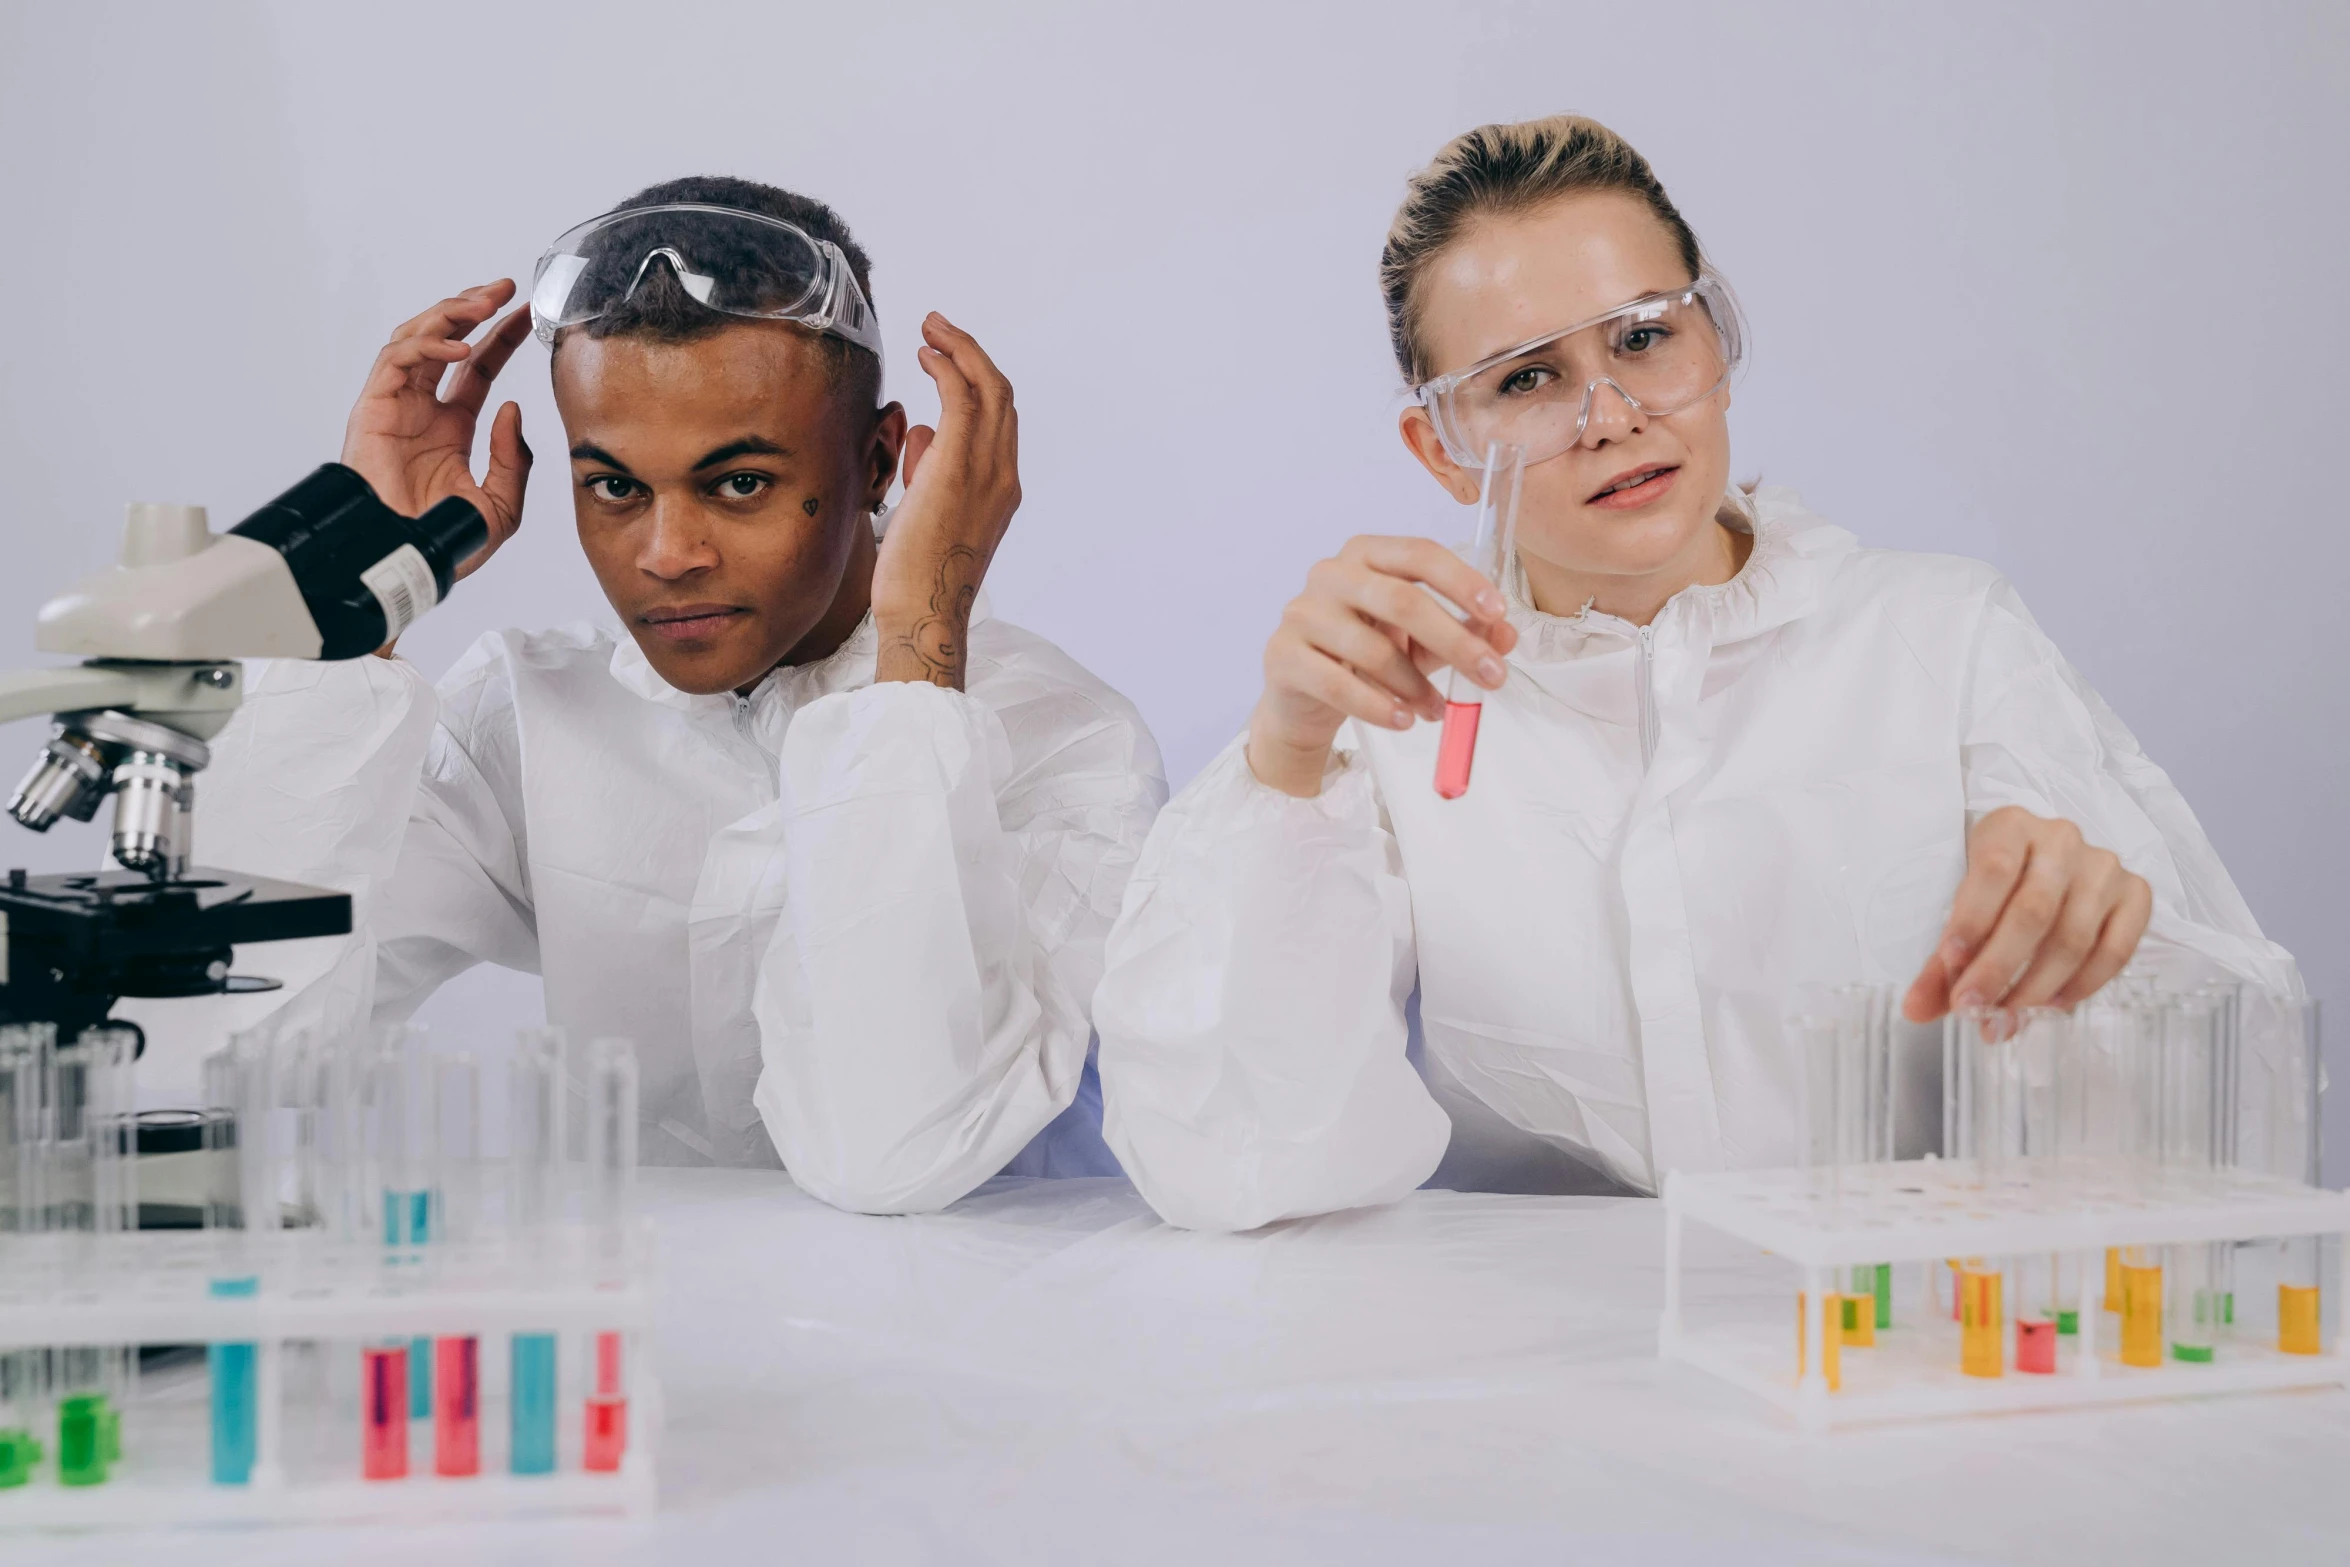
{"points": [[1661, 354], [742, 263]]}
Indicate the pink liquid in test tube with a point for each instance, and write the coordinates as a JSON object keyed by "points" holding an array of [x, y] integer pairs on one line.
{"points": [[2035, 1345], [607, 1410], [456, 1392], [383, 1412], [1456, 748], [1490, 553]]}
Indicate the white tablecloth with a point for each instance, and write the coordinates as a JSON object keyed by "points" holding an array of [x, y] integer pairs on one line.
{"points": [[1046, 1374]]}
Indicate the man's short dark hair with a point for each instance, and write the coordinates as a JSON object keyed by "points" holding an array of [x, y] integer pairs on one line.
{"points": [[662, 310]]}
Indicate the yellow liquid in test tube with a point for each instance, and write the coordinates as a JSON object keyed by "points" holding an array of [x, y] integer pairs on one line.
{"points": [[1979, 1316], [2113, 1278], [2297, 1319], [2141, 1315], [1831, 1338]]}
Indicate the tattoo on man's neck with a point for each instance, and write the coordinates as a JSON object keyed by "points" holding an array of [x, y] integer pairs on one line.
{"points": [[936, 640], [811, 506]]}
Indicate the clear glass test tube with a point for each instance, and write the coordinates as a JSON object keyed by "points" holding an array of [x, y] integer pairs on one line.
{"points": [[456, 1382], [1818, 1045], [1865, 1135], [89, 1121], [2296, 1127], [611, 1168], [232, 1367], [2039, 1300], [534, 1208], [2134, 1273], [2192, 1101], [397, 1123], [23, 1371], [2005, 1067], [1491, 551]]}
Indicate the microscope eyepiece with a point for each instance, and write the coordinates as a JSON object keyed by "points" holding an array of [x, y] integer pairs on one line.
{"points": [[365, 572]]}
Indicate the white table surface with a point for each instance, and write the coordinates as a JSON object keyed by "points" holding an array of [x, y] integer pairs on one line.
{"points": [[1047, 1374]]}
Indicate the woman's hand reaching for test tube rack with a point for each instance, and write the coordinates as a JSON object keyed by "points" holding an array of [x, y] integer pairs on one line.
{"points": [[2042, 918]]}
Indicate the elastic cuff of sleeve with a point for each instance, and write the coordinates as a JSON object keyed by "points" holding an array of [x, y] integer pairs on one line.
{"points": [[1241, 797], [333, 678], [899, 733]]}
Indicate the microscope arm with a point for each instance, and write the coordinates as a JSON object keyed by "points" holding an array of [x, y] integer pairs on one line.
{"points": [[195, 699], [33, 693]]}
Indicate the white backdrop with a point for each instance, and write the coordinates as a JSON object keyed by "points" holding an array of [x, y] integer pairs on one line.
{"points": [[2060, 287]]}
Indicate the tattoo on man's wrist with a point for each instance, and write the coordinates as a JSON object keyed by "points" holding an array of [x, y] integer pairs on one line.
{"points": [[936, 639]]}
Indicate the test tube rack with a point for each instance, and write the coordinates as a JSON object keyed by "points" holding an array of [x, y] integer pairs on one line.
{"points": [[322, 1299], [1927, 1211]]}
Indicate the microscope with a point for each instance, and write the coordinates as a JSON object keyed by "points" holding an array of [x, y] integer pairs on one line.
{"points": [[325, 571]]}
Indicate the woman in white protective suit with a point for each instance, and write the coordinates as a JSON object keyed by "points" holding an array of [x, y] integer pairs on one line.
{"points": [[1726, 752], [836, 849]]}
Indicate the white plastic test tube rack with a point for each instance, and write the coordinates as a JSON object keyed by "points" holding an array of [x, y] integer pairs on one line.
{"points": [[2145, 1125], [155, 1289], [346, 1211], [1922, 1212]]}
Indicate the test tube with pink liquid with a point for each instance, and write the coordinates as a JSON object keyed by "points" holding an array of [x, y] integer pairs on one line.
{"points": [[1490, 551]]}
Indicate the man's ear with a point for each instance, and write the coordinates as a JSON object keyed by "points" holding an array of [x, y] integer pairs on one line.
{"points": [[1419, 434], [881, 454]]}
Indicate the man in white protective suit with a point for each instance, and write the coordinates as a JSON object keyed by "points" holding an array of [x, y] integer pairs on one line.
{"points": [[836, 849]]}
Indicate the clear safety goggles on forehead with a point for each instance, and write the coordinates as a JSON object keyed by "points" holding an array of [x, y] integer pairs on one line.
{"points": [[1660, 354], [742, 263]]}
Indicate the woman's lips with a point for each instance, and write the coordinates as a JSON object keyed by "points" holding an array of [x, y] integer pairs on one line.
{"points": [[1649, 489], [689, 623]]}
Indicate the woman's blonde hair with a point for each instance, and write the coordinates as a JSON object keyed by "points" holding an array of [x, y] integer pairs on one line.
{"points": [[1500, 169]]}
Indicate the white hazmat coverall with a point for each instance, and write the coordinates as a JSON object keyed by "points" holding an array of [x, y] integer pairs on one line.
{"points": [[1669, 829], [855, 924]]}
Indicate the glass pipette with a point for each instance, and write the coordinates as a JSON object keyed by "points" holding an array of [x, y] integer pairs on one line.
{"points": [[1490, 550]]}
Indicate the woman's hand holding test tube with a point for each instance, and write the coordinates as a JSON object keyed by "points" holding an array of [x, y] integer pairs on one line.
{"points": [[1361, 642]]}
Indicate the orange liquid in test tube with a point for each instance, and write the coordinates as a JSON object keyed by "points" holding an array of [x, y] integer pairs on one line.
{"points": [[1979, 1353], [1831, 1338], [2297, 1319], [2141, 1315]]}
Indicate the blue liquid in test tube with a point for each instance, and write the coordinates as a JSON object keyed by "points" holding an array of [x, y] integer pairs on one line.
{"points": [[533, 1436], [235, 1419], [408, 1222], [535, 1132]]}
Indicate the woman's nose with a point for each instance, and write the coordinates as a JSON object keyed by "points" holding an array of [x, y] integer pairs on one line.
{"points": [[1609, 414]]}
